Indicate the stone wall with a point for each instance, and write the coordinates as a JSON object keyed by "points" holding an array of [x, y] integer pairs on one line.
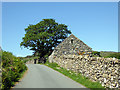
{"points": [[72, 45], [30, 62], [104, 70]]}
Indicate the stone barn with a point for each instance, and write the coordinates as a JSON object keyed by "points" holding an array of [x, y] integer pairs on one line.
{"points": [[72, 46]]}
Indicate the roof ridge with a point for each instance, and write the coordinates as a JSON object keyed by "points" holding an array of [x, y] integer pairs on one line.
{"points": [[79, 39]]}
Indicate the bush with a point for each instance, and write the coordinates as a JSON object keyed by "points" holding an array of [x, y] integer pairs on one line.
{"points": [[96, 53], [12, 67], [0, 58]]}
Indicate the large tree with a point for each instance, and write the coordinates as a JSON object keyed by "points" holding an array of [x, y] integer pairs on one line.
{"points": [[44, 36]]}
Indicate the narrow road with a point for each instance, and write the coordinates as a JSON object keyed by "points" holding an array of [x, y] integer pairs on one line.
{"points": [[41, 76]]}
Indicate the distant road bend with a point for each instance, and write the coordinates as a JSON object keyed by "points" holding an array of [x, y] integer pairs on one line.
{"points": [[41, 76]]}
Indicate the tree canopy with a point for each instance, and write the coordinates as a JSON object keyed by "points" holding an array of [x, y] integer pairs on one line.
{"points": [[44, 36]]}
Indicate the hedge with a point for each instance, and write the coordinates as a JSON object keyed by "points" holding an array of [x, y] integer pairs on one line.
{"points": [[12, 68]]}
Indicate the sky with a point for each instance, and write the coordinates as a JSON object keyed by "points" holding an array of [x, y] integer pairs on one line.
{"points": [[95, 23]]}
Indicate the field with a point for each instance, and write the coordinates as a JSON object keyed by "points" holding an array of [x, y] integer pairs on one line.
{"points": [[106, 54]]}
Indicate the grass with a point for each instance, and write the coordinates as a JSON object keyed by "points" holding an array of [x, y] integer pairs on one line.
{"points": [[106, 54], [76, 77]]}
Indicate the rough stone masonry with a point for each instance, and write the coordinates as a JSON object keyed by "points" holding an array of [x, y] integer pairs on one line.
{"points": [[72, 45], [74, 55]]}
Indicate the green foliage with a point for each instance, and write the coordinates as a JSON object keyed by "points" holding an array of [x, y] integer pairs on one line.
{"points": [[0, 61], [44, 36], [96, 53], [116, 55], [0, 56], [106, 54], [77, 77], [12, 67]]}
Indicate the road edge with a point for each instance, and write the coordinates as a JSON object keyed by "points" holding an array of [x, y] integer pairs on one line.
{"points": [[24, 74], [65, 75]]}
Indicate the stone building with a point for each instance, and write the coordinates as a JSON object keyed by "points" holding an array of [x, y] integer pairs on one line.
{"points": [[72, 46], [72, 53]]}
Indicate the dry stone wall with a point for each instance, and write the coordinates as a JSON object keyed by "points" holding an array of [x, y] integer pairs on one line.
{"points": [[103, 70], [72, 45]]}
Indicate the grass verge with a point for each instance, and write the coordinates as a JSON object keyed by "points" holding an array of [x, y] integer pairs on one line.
{"points": [[76, 77]]}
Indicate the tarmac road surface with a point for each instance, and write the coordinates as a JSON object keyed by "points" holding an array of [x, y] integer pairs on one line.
{"points": [[41, 76]]}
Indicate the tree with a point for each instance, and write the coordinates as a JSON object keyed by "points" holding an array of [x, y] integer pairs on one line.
{"points": [[44, 36]]}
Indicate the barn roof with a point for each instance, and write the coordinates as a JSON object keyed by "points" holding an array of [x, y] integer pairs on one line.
{"points": [[73, 36], [78, 40]]}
